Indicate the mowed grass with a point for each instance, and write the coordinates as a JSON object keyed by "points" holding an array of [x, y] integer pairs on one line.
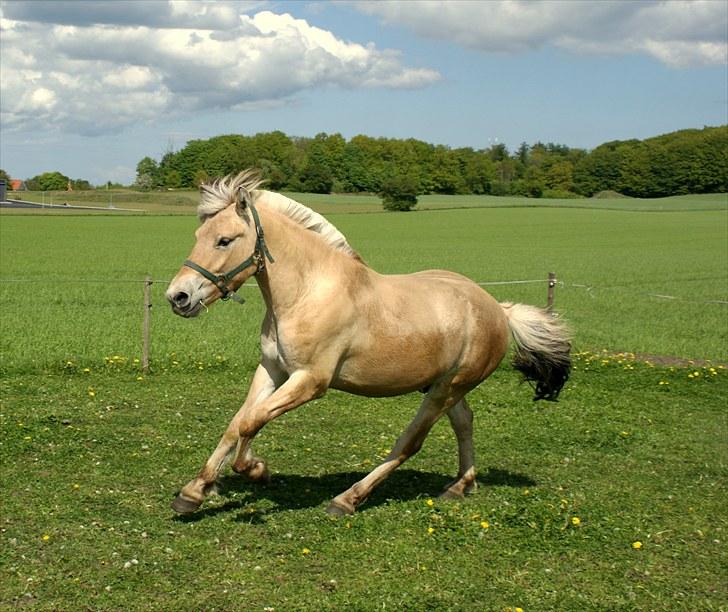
{"points": [[614, 498]]}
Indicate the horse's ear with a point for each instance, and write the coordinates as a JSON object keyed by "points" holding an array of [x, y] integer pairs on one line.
{"points": [[243, 200]]}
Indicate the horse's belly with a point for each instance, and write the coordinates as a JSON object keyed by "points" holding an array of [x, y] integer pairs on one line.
{"points": [[381, 385], [395, 366]]}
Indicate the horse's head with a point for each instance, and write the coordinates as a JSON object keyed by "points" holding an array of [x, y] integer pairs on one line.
{"points": [[229, 249]]}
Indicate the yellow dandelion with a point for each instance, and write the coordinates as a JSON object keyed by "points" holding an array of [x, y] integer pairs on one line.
{"points": [[576, 521], [87, 370], [46, 537], [430, 503], [305, 551], [637, 545], [484, 524], [430, 530]]}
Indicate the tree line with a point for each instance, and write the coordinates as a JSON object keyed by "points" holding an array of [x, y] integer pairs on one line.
{"points": [[50, 181], [687, 161]]}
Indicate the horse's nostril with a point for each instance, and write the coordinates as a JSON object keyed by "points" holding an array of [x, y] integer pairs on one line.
{"points": [[181, 299]]}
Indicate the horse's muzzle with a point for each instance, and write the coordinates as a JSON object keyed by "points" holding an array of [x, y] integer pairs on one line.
{"points": [[183, 303]]}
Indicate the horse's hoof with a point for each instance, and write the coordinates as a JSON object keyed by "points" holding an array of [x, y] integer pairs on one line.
{"points": [[336, 509], [184, 505], [449, 494], [458, 490], [258, 473]]}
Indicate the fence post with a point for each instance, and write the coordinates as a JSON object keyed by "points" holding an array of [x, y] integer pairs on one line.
{"points": [[550, 295], [145, 323]]}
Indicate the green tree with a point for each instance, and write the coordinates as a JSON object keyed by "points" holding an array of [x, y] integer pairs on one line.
{"points": [[172, 179], [317, 175], [445, 174], [478, 172], [200, 178], [560, 176], [399, 192], [80, 185], [147, 174], [49, 181]]}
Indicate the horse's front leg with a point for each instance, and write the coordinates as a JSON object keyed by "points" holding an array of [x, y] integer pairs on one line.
{"points": [[195, 491], [301, 387]]}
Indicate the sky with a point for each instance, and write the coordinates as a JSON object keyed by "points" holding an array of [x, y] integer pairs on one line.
{"points": [[90, 88]]}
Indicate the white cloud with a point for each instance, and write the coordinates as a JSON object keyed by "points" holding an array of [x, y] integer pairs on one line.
{"points": [[91, 68], [679, 34]]}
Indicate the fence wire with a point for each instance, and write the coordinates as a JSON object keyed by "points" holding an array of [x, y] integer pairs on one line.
{"points": [[589, 289]]}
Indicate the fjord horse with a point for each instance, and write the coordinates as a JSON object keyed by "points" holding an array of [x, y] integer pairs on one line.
{"points": [[333, 322]]}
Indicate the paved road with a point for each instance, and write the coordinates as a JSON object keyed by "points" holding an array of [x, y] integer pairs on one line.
{"points": [[25, 204]]}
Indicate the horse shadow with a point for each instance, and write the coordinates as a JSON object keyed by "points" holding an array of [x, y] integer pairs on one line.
{"points": [[296, 491]]}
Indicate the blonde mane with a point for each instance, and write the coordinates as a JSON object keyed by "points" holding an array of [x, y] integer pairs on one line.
{"points": [[223, 192]]}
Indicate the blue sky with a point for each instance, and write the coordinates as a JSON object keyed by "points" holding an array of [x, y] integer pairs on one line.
{"points": [[89, 88]]}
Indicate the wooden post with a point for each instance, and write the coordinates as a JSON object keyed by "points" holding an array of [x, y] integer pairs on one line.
{"points": [[145, 323], [550, 295]]}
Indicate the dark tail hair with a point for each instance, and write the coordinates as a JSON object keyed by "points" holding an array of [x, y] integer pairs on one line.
{"points": [[542, 348]]}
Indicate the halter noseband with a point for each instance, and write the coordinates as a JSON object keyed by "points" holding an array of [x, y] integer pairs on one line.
{"points": [[260, 254]]}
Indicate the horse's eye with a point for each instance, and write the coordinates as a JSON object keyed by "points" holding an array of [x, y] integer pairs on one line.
{"points": [[223, 242]]}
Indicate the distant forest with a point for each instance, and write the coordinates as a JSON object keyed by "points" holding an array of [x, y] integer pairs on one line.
{"points": [[687, 161]]}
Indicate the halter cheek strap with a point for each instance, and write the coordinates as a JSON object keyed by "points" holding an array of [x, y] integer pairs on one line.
{"points": [[260, 254]]}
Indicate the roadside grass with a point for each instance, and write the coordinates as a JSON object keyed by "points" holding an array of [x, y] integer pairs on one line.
{"points": [[612, 498]]}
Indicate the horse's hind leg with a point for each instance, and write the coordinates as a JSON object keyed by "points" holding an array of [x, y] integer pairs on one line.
{"points": [[461, 419], [435, 403]]}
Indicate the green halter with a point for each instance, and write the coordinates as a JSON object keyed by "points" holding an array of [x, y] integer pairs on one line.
{"points": [[260, 253]]}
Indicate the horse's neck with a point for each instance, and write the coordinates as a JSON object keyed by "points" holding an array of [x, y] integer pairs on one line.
{"points": [[301, 258]]}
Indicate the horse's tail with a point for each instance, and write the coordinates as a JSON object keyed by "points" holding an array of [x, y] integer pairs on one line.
{"points": [[542, 348]]}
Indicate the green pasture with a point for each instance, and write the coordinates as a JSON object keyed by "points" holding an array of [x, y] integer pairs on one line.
{"points": [[644, 282], [613, 498], [184, 201]]}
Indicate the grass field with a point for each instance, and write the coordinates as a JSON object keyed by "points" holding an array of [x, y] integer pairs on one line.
{"points": [[185, 201], [72, 288], [614, 498]]}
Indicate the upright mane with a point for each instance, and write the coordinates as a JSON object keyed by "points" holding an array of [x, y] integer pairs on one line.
{"points": [[223, 192]]}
